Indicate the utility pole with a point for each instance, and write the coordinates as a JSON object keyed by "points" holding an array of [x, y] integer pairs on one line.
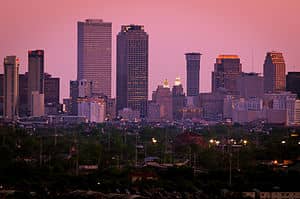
{"points": [[136, 157], [41, 151]]}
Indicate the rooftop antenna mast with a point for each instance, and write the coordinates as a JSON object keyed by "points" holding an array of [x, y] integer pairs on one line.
{"points": [[252, 60]]}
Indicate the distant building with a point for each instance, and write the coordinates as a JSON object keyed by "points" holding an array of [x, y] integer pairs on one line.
{"points": [[94, 54], [163, 97], [178, 99], [274, 72], [250, 85], [297, 113], [111, 108], [212, 104], [94, 109], [74, 94], [35, 74], [293, 82], [67, 108], [129, 115], [52, 90], [23, 95], [1, 93], [153, 112], [228, 69], [85, 88], [132, 68], [193, 72], [37, 102], [11, 88]]}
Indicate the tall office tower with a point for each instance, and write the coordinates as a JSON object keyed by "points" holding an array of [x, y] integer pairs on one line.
{"points": [[250, 85], [11, 87], [74, 94], [293, 82], [94, 54], [178, 99], [52, 105], [23, 94], [132, 68], [192, 72], [35, 75], [227, 69], [274, 72]]}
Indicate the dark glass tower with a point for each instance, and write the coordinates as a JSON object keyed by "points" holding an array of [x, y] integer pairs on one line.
{"points": [[228, 69], [274, 72], [293, 82], [132, 68], [192, 72]]}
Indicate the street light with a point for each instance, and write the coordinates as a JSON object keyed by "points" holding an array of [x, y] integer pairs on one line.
{"points": [[283, 142], [154, 141]]}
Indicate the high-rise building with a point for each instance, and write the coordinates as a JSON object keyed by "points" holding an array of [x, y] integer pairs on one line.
{"points": [[163, 97], [293, 82], [74, 94], [52, 105], [11, 87], [178, 99], [227, 69], [132, 68], [35, 75], [192, 73], [23, 94], [250, 85], [274, 72], [37, 102], [94, 54]]}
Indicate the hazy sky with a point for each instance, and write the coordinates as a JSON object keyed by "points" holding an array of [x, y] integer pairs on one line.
{"points": [[248, 28]]}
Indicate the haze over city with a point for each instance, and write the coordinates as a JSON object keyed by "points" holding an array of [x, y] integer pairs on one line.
{"points": [[246, 28]]}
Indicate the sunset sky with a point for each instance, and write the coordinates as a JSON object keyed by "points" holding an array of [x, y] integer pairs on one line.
{"points": [[248, 28]]}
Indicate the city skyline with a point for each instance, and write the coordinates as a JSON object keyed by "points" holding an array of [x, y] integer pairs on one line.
{"points": [[250, 42]]}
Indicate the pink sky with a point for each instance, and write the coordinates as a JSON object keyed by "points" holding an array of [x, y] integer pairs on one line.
{"points": [[211, 27]]}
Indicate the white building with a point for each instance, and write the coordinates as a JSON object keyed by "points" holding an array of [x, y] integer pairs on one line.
{"points": [[94, 109]]}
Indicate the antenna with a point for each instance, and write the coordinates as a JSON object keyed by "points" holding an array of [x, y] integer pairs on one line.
{"points": [[252, 60]]}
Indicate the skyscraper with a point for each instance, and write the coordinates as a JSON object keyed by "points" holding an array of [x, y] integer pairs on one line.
{"points": [[227, 69], [52, 105], [178, 99], [274, 72], [163, 97], [192, 72], [35, 75], [293, 82], [94, 54], [11, 87], [132, 68]]}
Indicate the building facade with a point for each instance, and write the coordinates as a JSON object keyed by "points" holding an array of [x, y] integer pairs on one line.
{"points": [[35, 75], [192, 73], [274, 72], [226, 72], [293, 82], [94, 54], [250, 85], [52, 104], [163, 97], [132, 68], [11, 88], [178, 99]]}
